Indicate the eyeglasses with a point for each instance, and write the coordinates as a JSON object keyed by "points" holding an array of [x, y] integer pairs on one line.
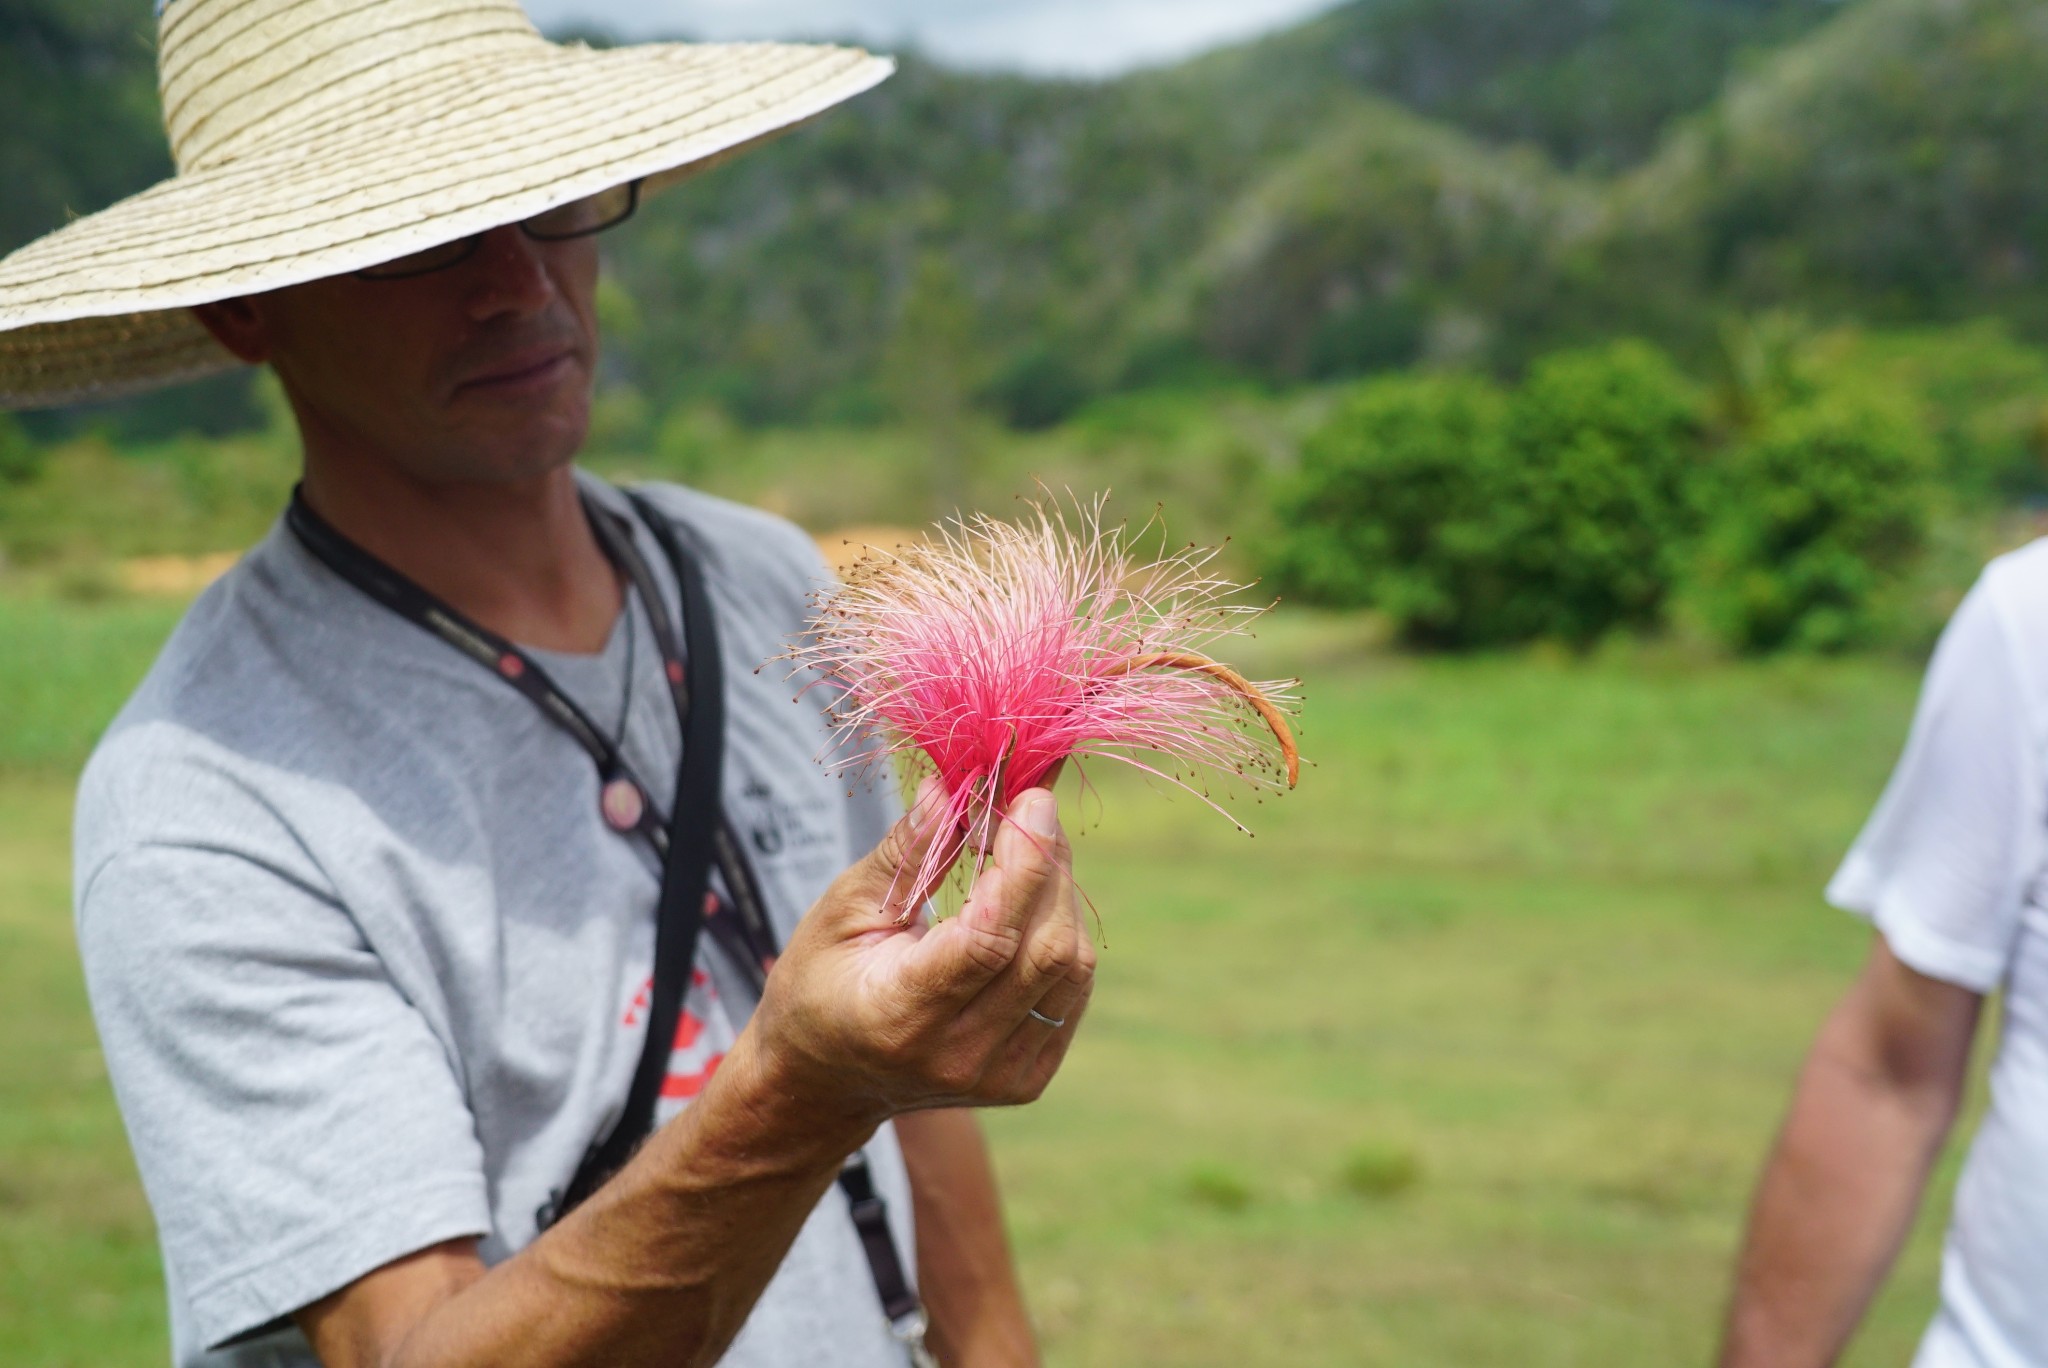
{"points": [[580, 218]]}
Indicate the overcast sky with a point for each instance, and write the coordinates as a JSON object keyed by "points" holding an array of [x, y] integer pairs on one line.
{"points": [[1077, 37]]}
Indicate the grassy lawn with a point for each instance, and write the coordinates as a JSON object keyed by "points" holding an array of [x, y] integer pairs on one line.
{"points": [[1467, 1059]]}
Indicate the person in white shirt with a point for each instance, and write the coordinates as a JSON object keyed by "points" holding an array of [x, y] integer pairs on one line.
{"points": [[1948, 871]]}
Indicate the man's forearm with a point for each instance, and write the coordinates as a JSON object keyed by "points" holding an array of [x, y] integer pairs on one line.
{"points": [[662, 1265], [965, 1272], [1836, 1201]]}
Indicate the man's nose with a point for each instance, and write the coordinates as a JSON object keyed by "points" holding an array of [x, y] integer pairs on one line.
{"points": [[508, 276]]}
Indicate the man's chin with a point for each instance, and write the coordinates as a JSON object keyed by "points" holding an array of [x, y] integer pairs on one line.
{"points": [[514, 448]]}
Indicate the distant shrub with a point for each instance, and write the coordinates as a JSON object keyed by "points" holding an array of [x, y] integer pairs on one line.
{"points": [[1604, 445], [1039, 388], [1475, 519], [191, 496], [20, 456], [691, 440], [1395, 508], [1981, 395], [87, 582], [1817, 517], [1380, 1171], [1213, 1186]]}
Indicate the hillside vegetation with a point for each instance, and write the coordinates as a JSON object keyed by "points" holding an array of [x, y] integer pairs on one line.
{"points": [[1395, 181], [1885, 169]]}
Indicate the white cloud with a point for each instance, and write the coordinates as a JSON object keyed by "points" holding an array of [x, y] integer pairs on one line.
{"points": [[1064, 37]]}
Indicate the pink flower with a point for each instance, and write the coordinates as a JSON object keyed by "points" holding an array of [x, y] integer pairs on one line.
{"points": [[998, 651]]}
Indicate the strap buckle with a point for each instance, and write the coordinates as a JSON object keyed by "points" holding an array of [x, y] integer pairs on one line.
{"points": [[910, 1330]]}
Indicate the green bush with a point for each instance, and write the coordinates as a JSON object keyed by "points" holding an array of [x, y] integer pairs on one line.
{"points": [[1982, 397], [1218, 1187], [1473, 519], [88, 500], [20, 457], [1604, 445], [1393, 508], [1818, 516], [1379, 1171]]}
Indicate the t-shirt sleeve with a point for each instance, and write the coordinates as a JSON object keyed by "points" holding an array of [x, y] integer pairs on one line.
{"points": [[1948, 860], [296, 1122]]}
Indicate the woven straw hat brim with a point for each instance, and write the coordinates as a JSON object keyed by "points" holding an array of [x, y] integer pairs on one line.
{"points": [[98, 309]]}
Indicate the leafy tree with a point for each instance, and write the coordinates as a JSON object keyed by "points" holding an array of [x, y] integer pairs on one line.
{"points": [[932, 374], [690, 442], [1396, 507], [1562, 510], [1039, 388], [1818, 516], [79, 126], [20, 457], [79, 129], [1604, 445], [1979, 393]]}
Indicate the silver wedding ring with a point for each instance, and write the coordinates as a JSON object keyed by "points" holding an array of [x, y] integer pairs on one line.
{"points": [[1037, 1015]]}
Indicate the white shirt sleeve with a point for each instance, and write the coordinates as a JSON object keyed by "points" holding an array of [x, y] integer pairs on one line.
{"points": [[1948, 861]]}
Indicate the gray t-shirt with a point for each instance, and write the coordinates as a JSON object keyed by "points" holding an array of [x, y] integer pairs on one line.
{"points": [[371, 971]]}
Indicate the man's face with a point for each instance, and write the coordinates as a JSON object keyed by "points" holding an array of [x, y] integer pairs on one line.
{"points": [[479, 373]]}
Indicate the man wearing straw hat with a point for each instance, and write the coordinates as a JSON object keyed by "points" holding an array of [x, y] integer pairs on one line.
{"points": [[393, 946]]}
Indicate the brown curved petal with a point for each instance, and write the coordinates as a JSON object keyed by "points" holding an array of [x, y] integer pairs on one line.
{"points": [[1188, 660]]}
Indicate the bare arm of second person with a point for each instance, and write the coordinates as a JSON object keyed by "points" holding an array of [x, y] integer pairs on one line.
{"points": [[964, 1268], [862, 1021], [1874, 1105]]}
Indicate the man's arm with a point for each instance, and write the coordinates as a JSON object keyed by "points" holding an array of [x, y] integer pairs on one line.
{"points": [[1874, 1104], [963, 1258], [661, 1265], [863, 1019]]}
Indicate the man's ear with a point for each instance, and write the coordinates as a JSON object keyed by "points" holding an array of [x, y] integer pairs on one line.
{"points": [[237, 325]]}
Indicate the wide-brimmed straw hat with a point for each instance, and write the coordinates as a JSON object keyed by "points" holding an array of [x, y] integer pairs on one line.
{"points": [[317, 137]]}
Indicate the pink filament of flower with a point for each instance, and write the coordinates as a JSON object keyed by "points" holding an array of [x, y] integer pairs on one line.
{"points": [[1001, 651]]}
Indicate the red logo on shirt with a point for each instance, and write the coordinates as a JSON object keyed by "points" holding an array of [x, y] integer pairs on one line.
{"points": [[693, 1058]]}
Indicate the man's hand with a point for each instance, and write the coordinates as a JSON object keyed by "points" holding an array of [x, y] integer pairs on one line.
{"points": [[1874, 1104], [865, 1014]]}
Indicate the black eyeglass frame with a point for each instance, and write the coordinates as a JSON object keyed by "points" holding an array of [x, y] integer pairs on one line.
{"points": [[470, 244]]}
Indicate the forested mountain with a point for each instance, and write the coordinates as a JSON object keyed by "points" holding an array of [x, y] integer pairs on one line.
{"points": [[80, 128], [1888, 168], [1385, 240], [1592, 82], [78, 116], [1099, 233], [1397, 180]]}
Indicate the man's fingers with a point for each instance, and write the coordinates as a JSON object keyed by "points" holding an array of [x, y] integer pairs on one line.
{"points": [[1051, 971], [1033, 1053], [962, 956], [1051, 967], [1067, 998]]}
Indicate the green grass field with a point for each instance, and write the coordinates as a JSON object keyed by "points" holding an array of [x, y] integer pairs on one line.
{"points": [[1468, 1059]]}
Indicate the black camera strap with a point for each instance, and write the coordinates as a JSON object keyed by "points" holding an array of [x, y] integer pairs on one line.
{"points": [[688, 849]]}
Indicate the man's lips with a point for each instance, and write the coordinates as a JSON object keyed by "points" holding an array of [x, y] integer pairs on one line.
{"points": [[530, 370]]}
